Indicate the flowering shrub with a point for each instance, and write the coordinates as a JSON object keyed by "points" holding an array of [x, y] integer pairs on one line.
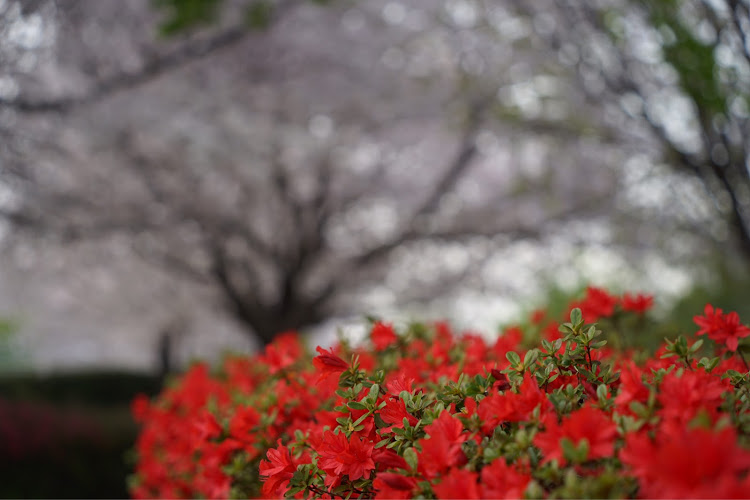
{"points": [[548, 409], [32, 429]]}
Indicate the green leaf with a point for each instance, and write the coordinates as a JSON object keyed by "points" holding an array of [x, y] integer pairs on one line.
{"points": [[356, 405], [530, 357], [183, 15], [697, 345], [411, 459], [569, 451], [566, 328], [591, 333], [258, 15], [374, 393], [576, 317], [582, 451], [639, 408], [602, 391], [513, 358]]}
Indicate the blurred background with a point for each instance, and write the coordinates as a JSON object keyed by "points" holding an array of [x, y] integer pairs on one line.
{"points": [[180, 178]]}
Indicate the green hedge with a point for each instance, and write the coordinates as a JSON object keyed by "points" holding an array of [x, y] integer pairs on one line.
{"points": [[68, 435], [84, 470], [97, 388]]}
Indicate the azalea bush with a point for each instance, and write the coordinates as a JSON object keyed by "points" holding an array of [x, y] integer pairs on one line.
{"points": [[549, 409], [52, 450]]}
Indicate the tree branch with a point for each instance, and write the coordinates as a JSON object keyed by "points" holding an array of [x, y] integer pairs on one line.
{"points": [[153, 69], [190, 51], [462, 160]]}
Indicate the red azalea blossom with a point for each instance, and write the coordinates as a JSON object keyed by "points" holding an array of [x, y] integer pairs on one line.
{"points": [[596, 304], [538, 316], [388, 459], [327, 363], [631, 387], [499, 480], [206, 426], [458, 483], [277, 470], [242, 427], [725, 329], [214, 484], [508, 341], [139, 408], [687, 463], [588, 423], [682, 397], [399, 384], [501, 380], [394, 413], [637, 303], [283, 352], [443, 447], [340, 456], [511, 407], [392, 485], [382, 336]]}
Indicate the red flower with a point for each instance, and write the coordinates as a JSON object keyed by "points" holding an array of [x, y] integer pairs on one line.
{"points": [[683, 397], [588, 423], [458, 483], [243, 424], [139, 408], [512, 407], [213, 483], [392, 485], [277, 470], [382, 336], [443, 447], [328, 363], [283, 352], [388, 459], [206, 426], [399, 383], [352, 457], [596, 304], [686, 463], [508, 341], [639, 303], [721, 328], [394, 413], [538, 316], [501, 380], [631, 387], [499, 480]]}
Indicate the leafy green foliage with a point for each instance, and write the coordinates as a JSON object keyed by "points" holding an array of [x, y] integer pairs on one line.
{"points": [[693, 59], [182, 15]]}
